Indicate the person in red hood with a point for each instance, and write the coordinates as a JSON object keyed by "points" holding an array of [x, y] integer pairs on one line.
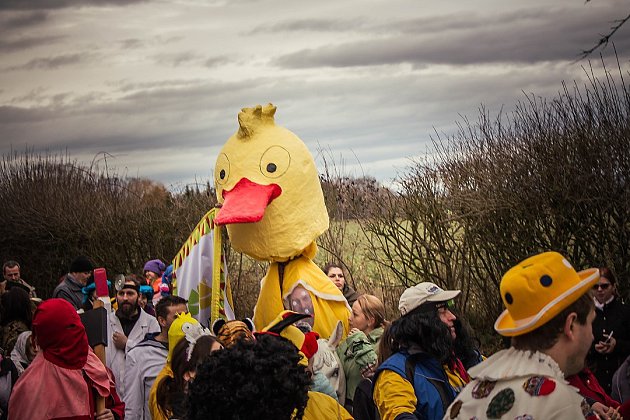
{"points": [[66, 376]]}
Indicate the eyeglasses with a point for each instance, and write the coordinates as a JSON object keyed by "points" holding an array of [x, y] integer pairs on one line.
{"points": [[437, 306], [602, 286], [449, 304]]}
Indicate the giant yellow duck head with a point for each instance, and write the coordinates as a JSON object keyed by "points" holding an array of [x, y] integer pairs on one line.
{"points": [[267, 183]]}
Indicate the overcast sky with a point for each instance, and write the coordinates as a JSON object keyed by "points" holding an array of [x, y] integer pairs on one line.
{"points": [[157, 85]]}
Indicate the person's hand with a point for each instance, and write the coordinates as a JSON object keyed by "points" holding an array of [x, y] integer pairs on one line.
{"points": [[610, 347], [368, 371], [120, 340], [606, 347], [105, 415], [354, 331], [605, 413]]}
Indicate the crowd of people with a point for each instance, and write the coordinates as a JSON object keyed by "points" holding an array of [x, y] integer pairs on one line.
{"points": [[567, 336]]}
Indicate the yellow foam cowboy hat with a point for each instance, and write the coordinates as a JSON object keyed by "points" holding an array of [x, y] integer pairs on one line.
{"points": [[539, 288]]}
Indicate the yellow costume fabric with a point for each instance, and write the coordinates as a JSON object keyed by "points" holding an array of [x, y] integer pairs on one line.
{"points": [[329, 305], [156, 413], [322, 407], [177, 331], [393, 395]]}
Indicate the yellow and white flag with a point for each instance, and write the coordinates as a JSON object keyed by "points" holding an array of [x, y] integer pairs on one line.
{"points": [[200, 275]]}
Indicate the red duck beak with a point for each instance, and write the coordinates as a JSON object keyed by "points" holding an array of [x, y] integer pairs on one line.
{"points": [[246, 202]]}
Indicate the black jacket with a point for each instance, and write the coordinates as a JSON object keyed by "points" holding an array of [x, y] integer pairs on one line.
{"points": [[614, 317]]}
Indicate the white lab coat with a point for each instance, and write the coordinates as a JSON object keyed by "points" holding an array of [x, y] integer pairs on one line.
{"points": [[116, 358]]}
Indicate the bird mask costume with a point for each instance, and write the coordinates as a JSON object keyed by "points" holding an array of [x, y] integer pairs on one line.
{"points": [[273, 207]]}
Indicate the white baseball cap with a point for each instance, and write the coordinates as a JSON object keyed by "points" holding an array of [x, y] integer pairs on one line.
{"points": [[421, 293]]}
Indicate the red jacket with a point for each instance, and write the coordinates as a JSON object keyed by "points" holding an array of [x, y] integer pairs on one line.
{"points": [[591, 390]]}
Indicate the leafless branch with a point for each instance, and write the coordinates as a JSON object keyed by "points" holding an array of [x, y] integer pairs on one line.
{"points": [[605, 39]]}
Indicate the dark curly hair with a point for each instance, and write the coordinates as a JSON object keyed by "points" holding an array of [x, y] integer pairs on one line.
{"points": [[466, 346], [251, 380], [422, 329]]}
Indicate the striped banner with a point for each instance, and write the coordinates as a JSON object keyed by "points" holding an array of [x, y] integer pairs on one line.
{"points": [[200, 274]]}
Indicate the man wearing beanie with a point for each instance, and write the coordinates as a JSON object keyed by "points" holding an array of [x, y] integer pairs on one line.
{"points": [[549, 315], [70, 288]]}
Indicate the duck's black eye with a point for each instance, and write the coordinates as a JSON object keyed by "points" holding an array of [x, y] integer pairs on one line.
{"points": [[274, 162], [222, 174]]}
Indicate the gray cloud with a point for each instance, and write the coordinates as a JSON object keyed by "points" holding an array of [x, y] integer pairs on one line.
{"points": [[529, 36], [19, 115], [17, 28], [314, 25], [53, 62], [12, 21], [178, 59], [22, 43], [131, 43], [60, 4], [217, 61], [199, 113]]}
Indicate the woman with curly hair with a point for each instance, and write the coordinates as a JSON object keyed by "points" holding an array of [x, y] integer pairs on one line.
{"points": [[171, 391]]}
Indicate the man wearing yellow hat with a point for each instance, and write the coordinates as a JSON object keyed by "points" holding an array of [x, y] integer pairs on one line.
{"points": [[549, 315]]}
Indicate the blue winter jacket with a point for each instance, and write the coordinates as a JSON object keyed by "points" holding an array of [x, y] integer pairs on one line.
{"points": [[428, 377]]}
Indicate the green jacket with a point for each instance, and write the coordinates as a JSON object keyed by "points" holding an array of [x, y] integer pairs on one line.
{"points": [[356, 353]]}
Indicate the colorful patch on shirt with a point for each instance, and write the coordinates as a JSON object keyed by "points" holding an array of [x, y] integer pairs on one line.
{"points": [[482, 389], [457, 405], [500, 404], [537, 386]]}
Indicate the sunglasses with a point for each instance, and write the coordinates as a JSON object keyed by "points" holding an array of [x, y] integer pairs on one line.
{"points": [[449, 304], [602, 286], [435, 306]]}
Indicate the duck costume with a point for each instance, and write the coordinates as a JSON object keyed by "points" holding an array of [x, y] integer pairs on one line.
{"points": [[273, 207]]}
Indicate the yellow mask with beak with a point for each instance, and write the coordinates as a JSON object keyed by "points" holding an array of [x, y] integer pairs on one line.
{"points": [[182, 324], [267, 183]]}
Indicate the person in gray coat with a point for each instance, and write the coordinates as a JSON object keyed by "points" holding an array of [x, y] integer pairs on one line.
{"points": [[70, 288]]}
